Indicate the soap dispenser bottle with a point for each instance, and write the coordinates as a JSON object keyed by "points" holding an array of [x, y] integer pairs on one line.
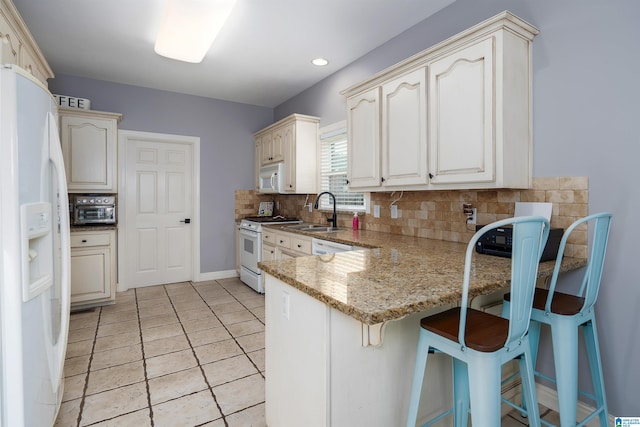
{"points": [[355, 223]]}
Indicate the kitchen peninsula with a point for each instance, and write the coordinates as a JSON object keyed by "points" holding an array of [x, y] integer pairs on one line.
{"points": [[342, 329]]}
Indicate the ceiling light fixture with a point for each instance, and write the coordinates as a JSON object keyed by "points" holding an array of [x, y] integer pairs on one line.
{"points": [[320, 62], [189, 28]]}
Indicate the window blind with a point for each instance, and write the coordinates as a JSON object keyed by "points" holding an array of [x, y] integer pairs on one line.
{"points": [[333, 173]]}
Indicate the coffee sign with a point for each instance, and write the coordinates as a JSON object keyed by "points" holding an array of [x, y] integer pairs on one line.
{"points": [[72, 102]]}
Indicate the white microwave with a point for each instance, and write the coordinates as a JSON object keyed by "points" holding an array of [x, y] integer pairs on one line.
{"points": [[272, 178]]}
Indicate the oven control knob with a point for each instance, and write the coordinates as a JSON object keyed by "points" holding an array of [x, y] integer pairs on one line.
{"points": [[84, 200], [92, 201]]}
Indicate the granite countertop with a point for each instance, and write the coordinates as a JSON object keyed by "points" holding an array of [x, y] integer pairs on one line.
{"points": [[400, 275]]}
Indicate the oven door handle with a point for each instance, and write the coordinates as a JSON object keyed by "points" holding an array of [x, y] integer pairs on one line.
{"points": [[248, 233]]}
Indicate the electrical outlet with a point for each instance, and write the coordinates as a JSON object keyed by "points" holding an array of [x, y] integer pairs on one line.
{"points": [[394, 211], [376, 211], [472, 219]]}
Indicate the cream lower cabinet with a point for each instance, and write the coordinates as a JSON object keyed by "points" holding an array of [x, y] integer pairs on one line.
{"points": [[93, 268], [283, 245], [268, 252], [292, 245], [89, 145], [456, 116]]}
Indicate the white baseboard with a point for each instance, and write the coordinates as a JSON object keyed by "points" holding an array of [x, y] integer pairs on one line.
{"points": [[202, 277], [214, 275], [549, 398]]}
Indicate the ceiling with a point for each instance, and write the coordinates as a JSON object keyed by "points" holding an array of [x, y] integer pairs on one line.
{"points": [[262, 56]]}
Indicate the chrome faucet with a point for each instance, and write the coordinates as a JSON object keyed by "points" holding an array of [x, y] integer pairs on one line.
{"points": [[333, 220]]}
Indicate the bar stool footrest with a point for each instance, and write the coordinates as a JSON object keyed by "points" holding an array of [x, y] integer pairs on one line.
{"points": [[437, 418]]}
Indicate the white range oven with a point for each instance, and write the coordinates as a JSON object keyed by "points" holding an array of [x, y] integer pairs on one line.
{"points": [[251, 247]]}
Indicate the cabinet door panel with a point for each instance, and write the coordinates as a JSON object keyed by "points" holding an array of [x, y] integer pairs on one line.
{"points": [[363, 114], [266, 148], [404, 130], [90, 274], [461, 124], [287, 147], [89, 149], [268, 252], [278, 143]]}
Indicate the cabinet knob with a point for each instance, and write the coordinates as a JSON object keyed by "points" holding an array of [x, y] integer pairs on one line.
{"points": [[348, 182], [281, 241], [431, 175], [299, 246], [382, 179]]}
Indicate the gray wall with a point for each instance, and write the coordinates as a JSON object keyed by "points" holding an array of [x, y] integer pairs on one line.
{"points": [[226, 147], [586, 93]]}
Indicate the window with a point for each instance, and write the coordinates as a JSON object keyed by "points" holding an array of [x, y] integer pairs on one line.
{"points": [[333, 170]]}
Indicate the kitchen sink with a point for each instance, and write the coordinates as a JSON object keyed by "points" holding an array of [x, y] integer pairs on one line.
{"points": [[314, 228]]}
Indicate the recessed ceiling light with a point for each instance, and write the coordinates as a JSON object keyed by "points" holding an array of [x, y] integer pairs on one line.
{"points": [[320, 62]]}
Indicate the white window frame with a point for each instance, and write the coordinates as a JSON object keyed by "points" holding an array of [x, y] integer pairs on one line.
{"points": [[326, 203]]}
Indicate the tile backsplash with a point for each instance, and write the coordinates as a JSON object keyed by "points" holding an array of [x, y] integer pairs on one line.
{"points": [[439, 214]]}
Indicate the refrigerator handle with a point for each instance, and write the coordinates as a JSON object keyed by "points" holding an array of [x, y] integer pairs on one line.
{"points": [[55, 155]]}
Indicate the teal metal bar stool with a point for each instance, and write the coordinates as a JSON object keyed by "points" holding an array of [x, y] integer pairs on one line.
{"points": [[480, 343], [566, 314]]}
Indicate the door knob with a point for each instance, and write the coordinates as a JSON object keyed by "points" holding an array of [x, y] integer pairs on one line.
{"points": [[187, 221]]}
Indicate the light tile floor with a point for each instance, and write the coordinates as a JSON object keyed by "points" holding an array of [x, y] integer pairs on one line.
{"points": [[183, 354]]}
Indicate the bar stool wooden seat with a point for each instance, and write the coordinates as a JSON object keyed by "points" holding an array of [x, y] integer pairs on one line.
{"points": [[566, 314], [480, 343]]}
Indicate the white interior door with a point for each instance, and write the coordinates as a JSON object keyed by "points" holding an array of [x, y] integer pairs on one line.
{"points": [[158, 210]]}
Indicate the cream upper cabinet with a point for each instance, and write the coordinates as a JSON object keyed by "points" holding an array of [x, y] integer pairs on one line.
{"points": [[17, 46], [461, 128], [292, 140], [455, 116], [388, 134], [278, 145], [89, 146], [271, 148], [363, 144], [404, 130]]}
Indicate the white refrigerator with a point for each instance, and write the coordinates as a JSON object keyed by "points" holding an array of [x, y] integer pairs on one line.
{"points": [[34, 253]]}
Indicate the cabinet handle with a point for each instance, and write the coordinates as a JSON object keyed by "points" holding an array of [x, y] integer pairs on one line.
{"points": [[84, 241], [348, 182], [382, 179], [431, 176]]}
